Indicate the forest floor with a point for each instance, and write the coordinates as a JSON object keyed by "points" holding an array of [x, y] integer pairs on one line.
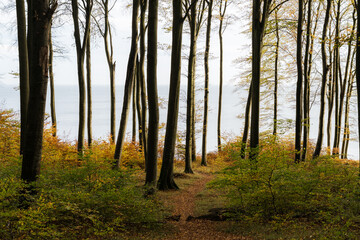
{"points": [[184, 203], [192, 200]]}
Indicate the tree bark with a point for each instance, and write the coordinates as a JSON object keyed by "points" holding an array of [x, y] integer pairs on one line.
{"points": [[23, 67], [134, 108], [206, 90], [258, 29], [190, 91], [38, 77], [142, 78], [153, 131], [52, 86], [80, 53], [306, 103], [246, 124], [222, 12], [88, 88], [276, 67], [166, 180], [325, 70], [109, 51], [299, 91], [131, 68]]}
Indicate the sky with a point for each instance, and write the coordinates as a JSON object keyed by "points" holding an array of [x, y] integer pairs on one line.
{"points": [[65, 64]]}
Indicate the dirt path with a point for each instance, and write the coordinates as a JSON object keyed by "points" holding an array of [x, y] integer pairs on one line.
{"points": [[184, 204]]}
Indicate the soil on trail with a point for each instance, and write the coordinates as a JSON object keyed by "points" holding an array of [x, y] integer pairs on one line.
{"points": [[183, 203]]}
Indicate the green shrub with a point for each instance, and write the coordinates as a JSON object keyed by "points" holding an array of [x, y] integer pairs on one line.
{"points": [[324, 191], [77, 202]]}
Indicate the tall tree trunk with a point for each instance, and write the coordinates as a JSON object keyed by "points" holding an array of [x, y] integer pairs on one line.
{"points": [[276, 67], [89, 95], [206, 90], [142, 78], [134, 109], [190, 91], [358, 69], [52, 86], [338, 82], [246, 124], [153, 132], [109, 51], [306, 103], [23, 67], [80, 53], [131, 71], [41, 25], [299, 92], [258, 29], [166, 180], [222, 11], [350, 79], [325, 70], [138, 103]]}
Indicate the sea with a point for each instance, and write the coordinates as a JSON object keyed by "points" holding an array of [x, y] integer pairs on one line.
{"points": [[233, 108], [67, 105]]}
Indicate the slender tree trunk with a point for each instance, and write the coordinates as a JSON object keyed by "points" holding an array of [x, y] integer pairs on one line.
{"points": [[109, 51], [38, 77], [52, 87], [80, 50], [358, 70], [258, 29], [142, 78], [206, 90], [131, 69], [138, 103], [23, 67], [346, 136], [299, 92], [190, 91], [246, 125], [350, 80], [306, 105], [338, 82], [325, 70], [134, 109], [166, 180], [153, 132], [222, 11], [276, 80], [89, 95]]}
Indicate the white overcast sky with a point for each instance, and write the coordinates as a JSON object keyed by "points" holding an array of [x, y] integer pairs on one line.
{"points": [[65, 66]]}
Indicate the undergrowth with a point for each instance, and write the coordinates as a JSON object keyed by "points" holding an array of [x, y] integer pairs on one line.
{"points": [[274, 190], [75, 199]]}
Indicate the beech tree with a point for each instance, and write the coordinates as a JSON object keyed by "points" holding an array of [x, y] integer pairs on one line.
{"points": [[80, 54], [299, 89], [141, 77], [23, 67], [38, 79], [325, 70], [261, 12], [166, 179], [206, 90], [130, 75], [153, 131], [222, 11], [106, 33]]}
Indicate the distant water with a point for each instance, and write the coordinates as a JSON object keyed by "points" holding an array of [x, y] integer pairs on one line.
{"points": [[66, 98], [231, 125]]}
